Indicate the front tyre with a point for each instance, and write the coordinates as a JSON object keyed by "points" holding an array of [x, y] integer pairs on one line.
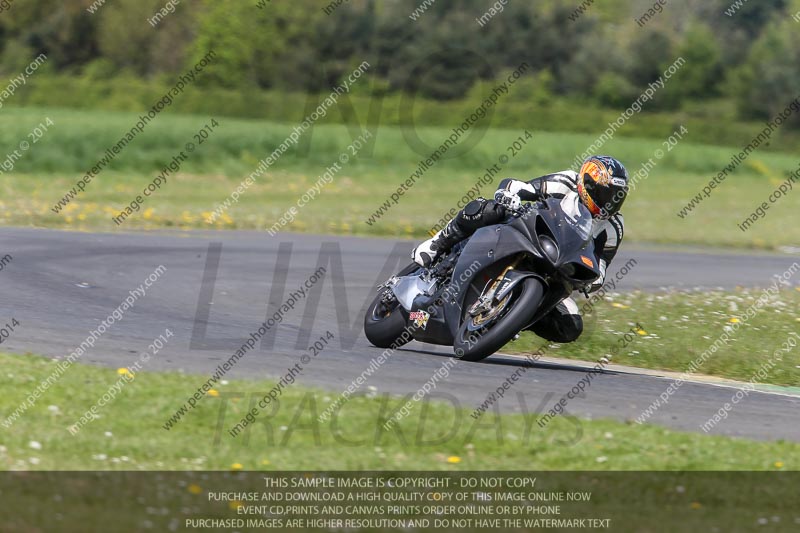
{"points": [[474, 344]]}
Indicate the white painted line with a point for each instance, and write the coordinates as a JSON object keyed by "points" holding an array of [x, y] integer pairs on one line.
{"points": [[667, 375]]}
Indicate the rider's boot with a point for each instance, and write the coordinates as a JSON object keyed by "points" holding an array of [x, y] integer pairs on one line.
{"points": [[476, 214], [441, 243]]}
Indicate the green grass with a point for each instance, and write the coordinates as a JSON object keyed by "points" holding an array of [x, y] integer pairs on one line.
{"points": [[50, 167], [528, 104], [128, 433], [674, 329]]}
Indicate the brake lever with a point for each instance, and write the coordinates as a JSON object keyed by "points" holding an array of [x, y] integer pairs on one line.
{"points": [[522, 211]]}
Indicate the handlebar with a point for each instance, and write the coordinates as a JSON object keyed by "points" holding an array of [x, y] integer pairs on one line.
{"points": [[524, 209]]}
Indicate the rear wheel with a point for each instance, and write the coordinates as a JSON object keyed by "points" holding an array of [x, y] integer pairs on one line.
{"points": [[480, 336], [384, 324]]}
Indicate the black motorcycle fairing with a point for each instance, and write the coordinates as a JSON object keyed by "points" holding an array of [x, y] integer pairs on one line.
{"points": [[485, 247], [558, 245], [557, 249], [564, 240]]}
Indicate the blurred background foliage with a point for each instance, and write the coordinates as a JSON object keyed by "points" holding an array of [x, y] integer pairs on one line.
{"points": [[740, 67]]}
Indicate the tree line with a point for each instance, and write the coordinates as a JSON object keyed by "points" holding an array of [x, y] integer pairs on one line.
{"points": [[603, 54]]}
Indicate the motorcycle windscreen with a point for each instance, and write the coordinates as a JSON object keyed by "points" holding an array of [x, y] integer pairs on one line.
{"points": [[578, 218], [570, 225]]}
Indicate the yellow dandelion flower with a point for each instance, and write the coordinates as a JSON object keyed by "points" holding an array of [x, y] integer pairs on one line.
{"points": [[620, 306], [194, 489], [695, 505], [641, 332], [148, 213], [454, 459], [226, 218], [778, 464], [82, 216], [123, 371], [236, 466], [734, 320], [213, 392], [235, 504], [761, 168]]}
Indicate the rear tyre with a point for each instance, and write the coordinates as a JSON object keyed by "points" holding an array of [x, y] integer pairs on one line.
{"points": [[384, 325], [476, 344]]}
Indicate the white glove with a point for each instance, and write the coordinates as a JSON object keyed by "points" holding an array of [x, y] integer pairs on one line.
{"points": [[508, 199]]}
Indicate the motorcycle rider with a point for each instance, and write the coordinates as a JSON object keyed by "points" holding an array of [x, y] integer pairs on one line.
{"points": [[601, 185]]}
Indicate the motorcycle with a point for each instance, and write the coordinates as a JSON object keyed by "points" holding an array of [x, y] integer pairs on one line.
{"points": [[491, 286]]}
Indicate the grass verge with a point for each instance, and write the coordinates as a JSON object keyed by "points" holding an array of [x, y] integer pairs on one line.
{"points": [[668, 331], [44, 173], [128, 434]]}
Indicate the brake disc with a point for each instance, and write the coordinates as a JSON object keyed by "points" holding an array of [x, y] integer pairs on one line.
{"points": [[482, 319]]}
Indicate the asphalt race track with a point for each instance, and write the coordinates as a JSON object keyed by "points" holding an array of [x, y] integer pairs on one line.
{"points": [[61, 285]]}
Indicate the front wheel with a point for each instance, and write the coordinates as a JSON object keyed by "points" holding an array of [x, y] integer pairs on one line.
{"points": [[475, 341]]}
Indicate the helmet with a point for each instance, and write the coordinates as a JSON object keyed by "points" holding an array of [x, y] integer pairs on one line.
{"points": [[603, 185]]}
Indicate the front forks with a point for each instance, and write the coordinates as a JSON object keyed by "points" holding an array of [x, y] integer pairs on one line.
{"points": [[485, 302]]}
